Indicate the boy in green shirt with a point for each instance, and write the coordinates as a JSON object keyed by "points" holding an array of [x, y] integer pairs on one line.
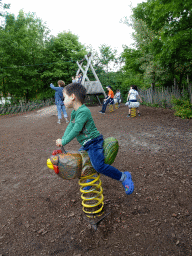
{"points": [[83, 128]]}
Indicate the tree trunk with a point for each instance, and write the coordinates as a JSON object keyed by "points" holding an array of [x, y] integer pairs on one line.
{"points": [[190, 92], [180, 81], [175, 84], [27, 96]]}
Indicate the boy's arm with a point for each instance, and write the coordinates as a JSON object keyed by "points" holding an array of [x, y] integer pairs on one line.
{"points": [[54, 88], [108, 97], [68, 129], [75, 129]]}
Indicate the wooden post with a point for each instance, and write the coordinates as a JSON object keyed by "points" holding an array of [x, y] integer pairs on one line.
{"points": [[94, 73], [86, 69], [175, 84], [190, 92], [98, 100], [21, 107], [152, 91], [84, 74]]}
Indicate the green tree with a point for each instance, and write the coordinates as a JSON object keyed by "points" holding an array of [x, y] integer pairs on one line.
{"points": [[62, 51], [21, 51], [172, 42], [132, 71], [3, 7], [107, 55]]}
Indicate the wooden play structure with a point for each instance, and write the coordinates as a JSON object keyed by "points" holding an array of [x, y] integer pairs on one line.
{"points": [[92, 87]]}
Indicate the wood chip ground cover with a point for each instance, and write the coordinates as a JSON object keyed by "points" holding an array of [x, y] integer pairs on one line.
{"points": [[41, 214]]}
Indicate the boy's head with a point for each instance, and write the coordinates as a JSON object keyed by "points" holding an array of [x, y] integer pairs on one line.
{"points": [[108, 87], [61, 83], [75, 91]]}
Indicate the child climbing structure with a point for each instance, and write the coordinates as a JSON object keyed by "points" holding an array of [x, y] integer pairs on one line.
{"points": [[92, 87]]}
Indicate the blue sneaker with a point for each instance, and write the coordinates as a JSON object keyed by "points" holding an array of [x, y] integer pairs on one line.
{"points": [[128, 184], [88, 187]]}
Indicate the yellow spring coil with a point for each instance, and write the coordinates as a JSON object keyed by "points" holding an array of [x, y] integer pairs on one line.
{"points": [[110, 108], [116, 105], [133, 112], [92, 195]]}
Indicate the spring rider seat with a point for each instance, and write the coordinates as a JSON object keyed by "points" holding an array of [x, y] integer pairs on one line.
{"points": [[133, 106], [111, 107], [116, 103], [77, 165]]}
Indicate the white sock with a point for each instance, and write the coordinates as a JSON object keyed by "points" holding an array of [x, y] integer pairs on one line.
{"points": [[123, 177]]}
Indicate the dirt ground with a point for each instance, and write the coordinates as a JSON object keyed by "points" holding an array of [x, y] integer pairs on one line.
{"points": [[41, 214]]}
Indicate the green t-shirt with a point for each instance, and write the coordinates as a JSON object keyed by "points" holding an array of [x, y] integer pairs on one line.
{"points": [[81, 126]]}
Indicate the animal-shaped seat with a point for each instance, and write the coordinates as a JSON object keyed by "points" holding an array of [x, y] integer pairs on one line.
{"points": [[76, 164]]}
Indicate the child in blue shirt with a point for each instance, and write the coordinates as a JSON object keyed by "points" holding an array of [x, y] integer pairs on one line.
{"points": [[83, 128], [59, 100]]}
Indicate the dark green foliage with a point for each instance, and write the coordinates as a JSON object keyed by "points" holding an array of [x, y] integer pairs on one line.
{"points": [[62, 51], [182, 106], [163, 39], [30, 60]]}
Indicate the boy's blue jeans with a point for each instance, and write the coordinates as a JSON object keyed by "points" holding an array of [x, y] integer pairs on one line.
{"points": [[59, 108], [94, 148], [109, 101]]}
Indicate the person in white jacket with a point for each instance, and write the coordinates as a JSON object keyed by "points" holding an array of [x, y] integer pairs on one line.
{"points": [[118, 97], [132, 97]]}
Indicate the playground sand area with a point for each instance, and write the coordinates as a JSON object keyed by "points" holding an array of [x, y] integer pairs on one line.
{"points": [[41, 214]]}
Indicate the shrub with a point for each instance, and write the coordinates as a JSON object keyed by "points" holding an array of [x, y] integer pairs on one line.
{"points": [[182, 107], [164, 103]]}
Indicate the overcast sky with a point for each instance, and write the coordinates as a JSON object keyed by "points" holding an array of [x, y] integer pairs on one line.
{"points": [[95, 22]]}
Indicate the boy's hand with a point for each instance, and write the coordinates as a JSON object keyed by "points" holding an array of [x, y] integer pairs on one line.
{"points": [[58, 143], [51, 84]]}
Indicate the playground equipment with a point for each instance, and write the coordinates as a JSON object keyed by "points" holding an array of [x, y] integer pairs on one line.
{"points": [[133, 106], [111, 108], [92, 195], [73, 164], [92, 87], [116, 105], [133, 112]]}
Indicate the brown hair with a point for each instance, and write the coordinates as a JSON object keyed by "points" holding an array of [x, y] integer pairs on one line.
{"points": [[61, 83], [77, 89]]}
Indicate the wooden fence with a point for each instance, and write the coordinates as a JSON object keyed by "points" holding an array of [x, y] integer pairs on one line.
{"points": [[24, 107], [163, 96]]}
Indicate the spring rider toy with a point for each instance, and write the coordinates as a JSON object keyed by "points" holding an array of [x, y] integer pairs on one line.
{"points": [[77, 165], [133, 106]]}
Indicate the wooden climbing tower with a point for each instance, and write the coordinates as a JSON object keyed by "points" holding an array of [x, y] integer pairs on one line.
{"points": [[92, 87]]}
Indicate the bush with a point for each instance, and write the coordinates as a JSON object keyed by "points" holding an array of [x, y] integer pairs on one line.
{"points": [[164, 103], [183, 107], [154, 105]]}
